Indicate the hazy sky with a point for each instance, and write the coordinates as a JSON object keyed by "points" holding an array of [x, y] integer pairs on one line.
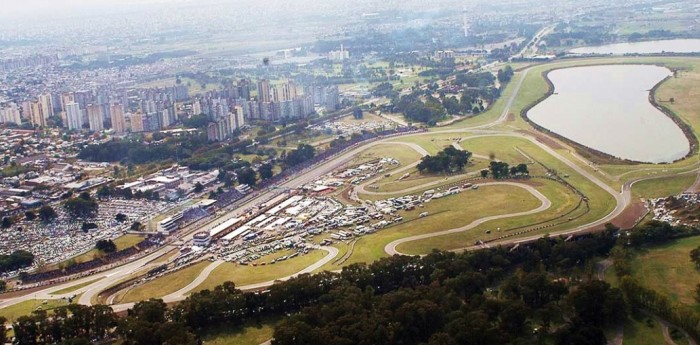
{"points": [[24, 7]]}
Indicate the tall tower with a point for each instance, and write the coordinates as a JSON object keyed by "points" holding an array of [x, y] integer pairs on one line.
{"points": [[465, 24]]}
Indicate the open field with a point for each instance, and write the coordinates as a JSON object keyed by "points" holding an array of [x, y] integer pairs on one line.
{"points": [[12, 313], [640, 329], [164, 285], [667, 269], [563, 201], [445, 213], [121, 242], [245, 275], [663, 187], [404, 154], [250, 334]]}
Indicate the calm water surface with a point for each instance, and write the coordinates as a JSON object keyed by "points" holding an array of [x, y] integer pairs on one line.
{"points": [[607, 108]]}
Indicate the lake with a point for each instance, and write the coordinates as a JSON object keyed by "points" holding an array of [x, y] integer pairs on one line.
{"points": [[646, 47], [607, 108]]}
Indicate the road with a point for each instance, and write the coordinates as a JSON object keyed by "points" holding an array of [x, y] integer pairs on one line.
{"points": [[182, 293], [545, 204]]}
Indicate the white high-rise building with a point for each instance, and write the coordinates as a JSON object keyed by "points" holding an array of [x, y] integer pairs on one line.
{"points": [[74, 116], [118, 121], [11, 114], [95, 118]]}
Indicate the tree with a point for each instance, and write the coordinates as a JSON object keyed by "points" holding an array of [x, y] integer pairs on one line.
{"points": [[136, 226], [6, 222], [3, 287], [301, 154], [105, 191], [30, 215], [18, 259], [88, 226], [3, 331], [598, 304], [484, 173], [198, 188], [499, 169], [695, 257], [106, 246], [120, 217], [265, 171], [448, 160], [47, 214], [81, 207], [246, 176]]}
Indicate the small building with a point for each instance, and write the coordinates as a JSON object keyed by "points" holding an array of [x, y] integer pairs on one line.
{"points": [[201, 239]]}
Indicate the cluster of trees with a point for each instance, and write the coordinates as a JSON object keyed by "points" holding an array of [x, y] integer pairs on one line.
{"points": [[442, 298], [301, 154], [429, 111], [83, 206], [16, 260], [106, 246], [500, 170], [448, 160], [504, 75], [196, 121], [385, 90], [657, 232], [127, 151]]}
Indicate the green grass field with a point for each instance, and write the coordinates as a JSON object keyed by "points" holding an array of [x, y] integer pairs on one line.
{"points": [[250, 334], [12, 313], [640, 329], [563, 200], [445, 213], [663, 187], [122, 242], [244, 275], [667, 269], [165, 285]]}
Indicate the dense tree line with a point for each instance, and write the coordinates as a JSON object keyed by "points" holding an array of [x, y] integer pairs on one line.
{"points": [[16, 260], [657, 232], [500, 170], [449, 160], [442, 298]]}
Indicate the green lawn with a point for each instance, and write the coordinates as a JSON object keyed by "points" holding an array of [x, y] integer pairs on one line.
{"points": [[640, 329], [122, 242], [250, 334], [445, 213], [665, 186], [166, 284], [12, 313], [246, 274], [404, 154], [667, 269]]}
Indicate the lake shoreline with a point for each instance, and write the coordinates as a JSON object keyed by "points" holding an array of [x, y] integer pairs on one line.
{"points": [[598, 156]]}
